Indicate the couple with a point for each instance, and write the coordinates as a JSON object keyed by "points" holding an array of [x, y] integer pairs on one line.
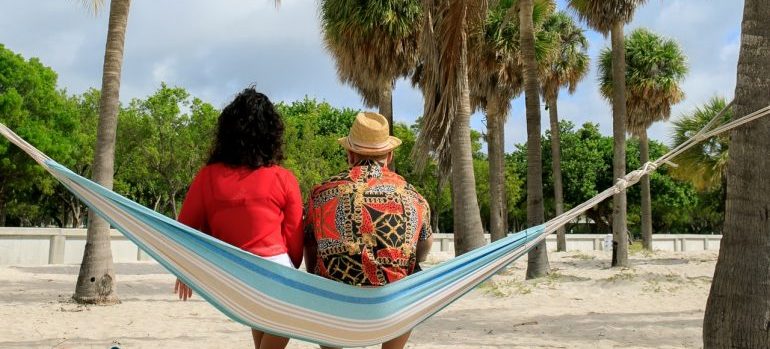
{"points": [[365, 227]]}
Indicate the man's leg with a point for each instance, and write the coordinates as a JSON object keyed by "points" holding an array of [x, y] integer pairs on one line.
{"points": [[257, 335], [395, 343], [268, 341], [398, 342]]}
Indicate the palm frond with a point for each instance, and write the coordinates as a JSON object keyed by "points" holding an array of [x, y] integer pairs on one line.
{"points": [[655, 66], [372, 42], [571, 61], [94, 6], [444, 74], [704, 164], [602, 14]]}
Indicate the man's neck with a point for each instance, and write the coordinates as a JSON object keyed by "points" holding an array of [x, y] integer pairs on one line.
{"points": [[368, 162]]}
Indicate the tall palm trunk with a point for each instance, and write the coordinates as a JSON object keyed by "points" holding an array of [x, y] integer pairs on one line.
{"points": [[496, 144], [386, 109], [537, 264], [385, 106], [620, 239], [558, 191], [96, 280], [644, 156], [739, 302], [468, 233]]}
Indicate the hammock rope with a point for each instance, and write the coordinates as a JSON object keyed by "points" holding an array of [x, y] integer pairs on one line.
{"points": [[283, 301]]}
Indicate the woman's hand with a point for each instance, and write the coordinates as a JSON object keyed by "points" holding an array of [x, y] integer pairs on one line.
{"points": [[184, 291]]}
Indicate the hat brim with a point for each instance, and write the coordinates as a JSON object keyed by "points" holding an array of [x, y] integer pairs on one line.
{"points": [[391, 144]]}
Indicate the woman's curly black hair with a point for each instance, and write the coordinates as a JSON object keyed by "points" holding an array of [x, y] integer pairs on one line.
{"points": [[249, 132]]}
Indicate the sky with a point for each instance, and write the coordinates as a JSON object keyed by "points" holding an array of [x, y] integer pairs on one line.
{"points": [[215, 49]]}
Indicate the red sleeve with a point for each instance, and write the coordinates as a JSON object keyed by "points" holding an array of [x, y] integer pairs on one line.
{"points": [[292, 218], [193, 213]]}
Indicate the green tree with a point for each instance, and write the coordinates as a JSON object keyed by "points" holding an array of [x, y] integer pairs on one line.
{"points": [[31, 105], [373, 43], [655, 67], [568, 67], [587, 159], [168, 146], [737, 306], [311, 133], [82, 138], [609, 16]]}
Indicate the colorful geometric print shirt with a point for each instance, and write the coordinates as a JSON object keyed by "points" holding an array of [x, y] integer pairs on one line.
{"points": [[366, 222]]}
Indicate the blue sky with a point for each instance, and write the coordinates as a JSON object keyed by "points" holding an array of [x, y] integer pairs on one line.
{"points": [[214, 49]]}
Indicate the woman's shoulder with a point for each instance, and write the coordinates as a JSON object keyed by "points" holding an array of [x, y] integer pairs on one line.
{"points": [[283, 172]]}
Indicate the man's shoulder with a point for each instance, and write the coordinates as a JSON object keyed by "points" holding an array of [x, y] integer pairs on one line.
{"points": [[341, 178], [411, 189]]}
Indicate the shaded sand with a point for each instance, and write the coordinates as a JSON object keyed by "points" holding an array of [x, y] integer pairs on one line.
{"points": [[658, 303]]}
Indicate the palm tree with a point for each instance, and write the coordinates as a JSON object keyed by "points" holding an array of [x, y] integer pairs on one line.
{"points": [[704, 164], [537, 262], [569, 66], [609, 16], [495, 75], [445, 131], [654, 68], [737, 307], [96, 279], [373, 43]]}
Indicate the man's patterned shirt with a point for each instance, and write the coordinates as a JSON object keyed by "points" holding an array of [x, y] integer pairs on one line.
{"points": [[366, 222]]}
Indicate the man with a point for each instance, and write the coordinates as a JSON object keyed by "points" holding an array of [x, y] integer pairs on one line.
{"points": [[367, 226]]}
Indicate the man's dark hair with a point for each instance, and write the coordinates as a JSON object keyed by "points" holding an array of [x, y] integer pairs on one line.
{"points": [[249, 132]]}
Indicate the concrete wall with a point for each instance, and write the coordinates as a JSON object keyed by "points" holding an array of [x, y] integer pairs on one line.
{"points": [[38, 246], [595, 242]]}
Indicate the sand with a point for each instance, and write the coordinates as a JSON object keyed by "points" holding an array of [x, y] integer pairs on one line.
{"points": [[657, 303]]}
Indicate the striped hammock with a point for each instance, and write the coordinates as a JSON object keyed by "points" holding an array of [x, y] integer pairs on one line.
{"points": [[283, 301], [280, 300]]}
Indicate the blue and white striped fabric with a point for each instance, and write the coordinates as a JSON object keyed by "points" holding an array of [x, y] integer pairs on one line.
{"points": [[281, 300]]}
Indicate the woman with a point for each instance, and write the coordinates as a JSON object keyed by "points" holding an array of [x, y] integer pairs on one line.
{"points": [[243, 196]]}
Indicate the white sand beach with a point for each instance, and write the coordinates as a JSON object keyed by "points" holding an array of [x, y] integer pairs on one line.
{"points": [[658, 303]]}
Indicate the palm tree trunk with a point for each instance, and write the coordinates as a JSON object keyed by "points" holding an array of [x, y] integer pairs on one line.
{"points": [[496, 144], [537, 263], [468, 230], [739, 301], [620, 237], [558, 191], [386, 105], [386, 109], [644, 151], [96, 280]]}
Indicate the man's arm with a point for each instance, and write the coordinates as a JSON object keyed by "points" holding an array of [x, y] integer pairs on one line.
{"points": [[425, 240], [311, 248], [423, 248]]}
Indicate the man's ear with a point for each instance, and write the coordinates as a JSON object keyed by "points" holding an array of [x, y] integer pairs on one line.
{"points": [[351, 158]]}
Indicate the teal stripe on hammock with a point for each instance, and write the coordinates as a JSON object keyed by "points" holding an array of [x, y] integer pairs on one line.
{"points": [[407, 291]]}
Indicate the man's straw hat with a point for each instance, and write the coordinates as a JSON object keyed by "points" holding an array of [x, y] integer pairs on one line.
{"points": [[369, 135]]}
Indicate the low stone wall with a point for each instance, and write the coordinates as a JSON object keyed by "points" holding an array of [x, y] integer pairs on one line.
{"points": [[39, 246], [595, 242]]}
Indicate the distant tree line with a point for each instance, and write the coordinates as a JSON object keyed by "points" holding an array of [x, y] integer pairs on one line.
{"points": [[164, 139]]}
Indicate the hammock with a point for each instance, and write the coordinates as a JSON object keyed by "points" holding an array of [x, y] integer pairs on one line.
{"points": [[287, 302]]}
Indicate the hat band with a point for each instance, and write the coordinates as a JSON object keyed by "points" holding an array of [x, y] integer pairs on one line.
{"points": [[382, 145]]}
